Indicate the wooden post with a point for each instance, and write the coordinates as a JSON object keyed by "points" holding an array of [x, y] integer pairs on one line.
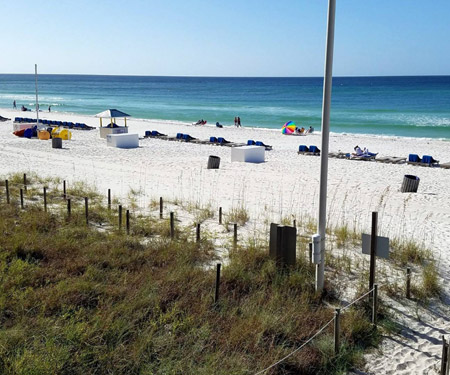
{"points": [[294, 223], [375, 305], [25, 182], [21, 198], [109, 199], [68, 208], [447, 364], [310, 252], [172, 226], [444, 358], [128, 221], [45, 199], [220, 215], [198, 233], [160, 207], [373, 248], [408, 283], [235, 234], [64, 190], [216, 296], [7, 191], [86, 210], [120, 217], [337, 318]]}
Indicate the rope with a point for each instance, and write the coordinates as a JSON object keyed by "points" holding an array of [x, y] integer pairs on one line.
{"points": [[358, 299], [296, 350]]}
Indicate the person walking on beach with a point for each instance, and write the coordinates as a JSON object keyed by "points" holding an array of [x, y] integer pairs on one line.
{"points": [[49, 108], [235, 121], [238, 122], [14, 104]]}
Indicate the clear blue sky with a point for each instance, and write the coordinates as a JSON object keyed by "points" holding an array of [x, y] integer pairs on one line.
{"points": [[224, 38]]}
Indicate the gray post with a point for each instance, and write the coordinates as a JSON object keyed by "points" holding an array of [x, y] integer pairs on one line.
{"points": [[21, 198], [86, 210], [216, 296], [337, 327], [220, 215], [235, 234], [120, 217], [172, 226], [64, 190], [45, 199], [373, 249], [198, 233], [444, 358], [128, 221], [109, 199], [160, 207], [375, 305], [25, 180], [7, 191], [69, 209], [408, 283], [326, 104]]}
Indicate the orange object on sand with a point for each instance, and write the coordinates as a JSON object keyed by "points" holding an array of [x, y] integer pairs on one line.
{"points": [[44, 135]]}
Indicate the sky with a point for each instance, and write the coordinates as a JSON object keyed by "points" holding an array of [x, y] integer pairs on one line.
{"points": [[224, 38]]}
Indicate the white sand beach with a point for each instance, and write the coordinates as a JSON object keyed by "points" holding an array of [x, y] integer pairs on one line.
{"points": [[285, 186]]}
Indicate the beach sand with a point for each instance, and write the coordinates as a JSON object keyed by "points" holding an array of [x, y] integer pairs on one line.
{"points": [[285, 186]]}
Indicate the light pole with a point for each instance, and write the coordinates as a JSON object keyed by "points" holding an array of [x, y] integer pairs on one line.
{"points": [[320, 268]]}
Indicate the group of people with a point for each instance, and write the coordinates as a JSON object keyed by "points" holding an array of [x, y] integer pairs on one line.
{"points": [[302, 130], [237, 122], [23, 108]]}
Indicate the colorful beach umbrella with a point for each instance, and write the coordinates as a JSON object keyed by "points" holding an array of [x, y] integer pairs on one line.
{"points": [[288, 128]]}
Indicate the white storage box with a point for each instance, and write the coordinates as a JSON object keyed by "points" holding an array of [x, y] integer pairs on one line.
{"points": [[122, 140], [248, 154], [119, 130], [20, 126]]}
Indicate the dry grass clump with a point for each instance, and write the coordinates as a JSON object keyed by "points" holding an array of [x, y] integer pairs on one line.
{"points": [[406, 252]]}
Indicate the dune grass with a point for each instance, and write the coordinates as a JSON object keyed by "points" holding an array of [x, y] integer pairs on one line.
{"points": [[90, 299]]}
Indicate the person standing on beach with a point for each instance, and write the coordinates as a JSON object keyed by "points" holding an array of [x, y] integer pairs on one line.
{"points": [[49, 108], [235, 121], [238, 122], [14, 105]]}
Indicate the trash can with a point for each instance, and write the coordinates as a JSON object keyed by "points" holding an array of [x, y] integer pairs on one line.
{"points": [[410, 184], [56, 143], [213, 162]]}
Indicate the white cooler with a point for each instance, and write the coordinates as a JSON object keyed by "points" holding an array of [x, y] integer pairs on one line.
{"points": [[104, 131], [122, 140], [248, 154]]}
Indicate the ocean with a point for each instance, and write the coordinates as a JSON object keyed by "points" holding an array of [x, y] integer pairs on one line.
{"points": [[394, 106]]}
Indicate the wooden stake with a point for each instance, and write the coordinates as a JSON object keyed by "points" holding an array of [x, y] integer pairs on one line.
{"points": [[64, 190], [160, 207], [216, 296], [86, 210], [172, 226], [7, 191], [220, 215], [68, 208], [45, 199], [444, 357], [310, 252], [198, 233], [21, 198], [128, 221], [235, 234], [109, 199], [120, 217], [25, 181], [337, 318], [373, 249], [375, 305]]}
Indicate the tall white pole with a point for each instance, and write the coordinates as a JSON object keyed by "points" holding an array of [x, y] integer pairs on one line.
{"points": [[37, 101], [320, 268]]}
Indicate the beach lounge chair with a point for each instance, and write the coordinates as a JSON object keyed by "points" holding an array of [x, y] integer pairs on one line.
{"points": [[314, 150], [222, 141], [413, 159], [188, 138], [251, 142], [445, 165], [337, 155], [303, 149], [390, 159], [429, 160], [267, 147], [213, 140]]}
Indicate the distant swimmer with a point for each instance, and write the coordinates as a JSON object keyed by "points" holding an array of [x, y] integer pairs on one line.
{"points": [[14, 104]]}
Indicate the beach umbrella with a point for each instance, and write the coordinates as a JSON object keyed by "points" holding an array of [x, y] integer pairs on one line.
{"points": [[112, 114], [288, 128]]}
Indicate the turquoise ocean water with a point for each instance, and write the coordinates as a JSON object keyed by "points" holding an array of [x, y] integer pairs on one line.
{"points": [[401, 106]]}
